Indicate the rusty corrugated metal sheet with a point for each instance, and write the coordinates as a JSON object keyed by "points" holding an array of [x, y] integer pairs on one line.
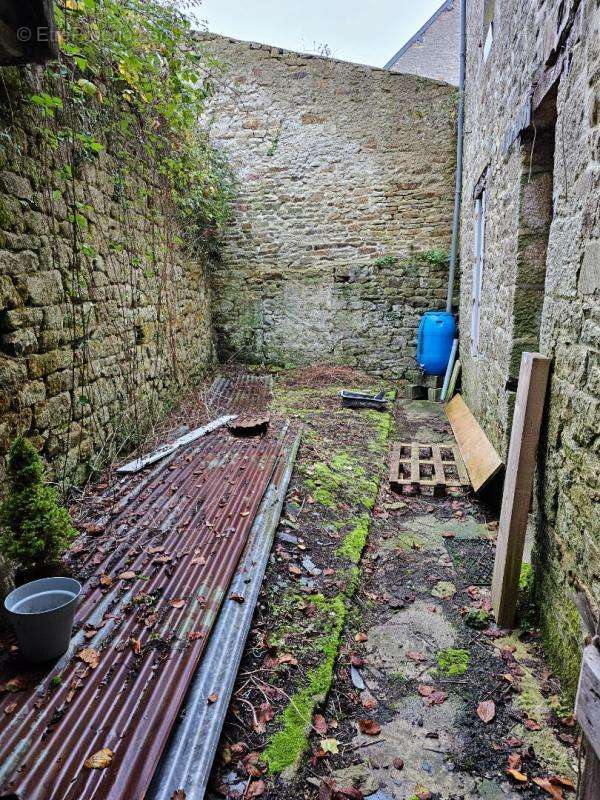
{"points": [[181, 531], [241, 394]]}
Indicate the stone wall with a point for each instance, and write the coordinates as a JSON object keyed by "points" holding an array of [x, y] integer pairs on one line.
{"points": [[345, 202], [434, 51], [92, 345], [533, 142]]}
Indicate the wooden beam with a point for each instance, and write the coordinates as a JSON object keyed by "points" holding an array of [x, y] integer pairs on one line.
{"points": [[480, 458], [587, 711], [518, 485]]}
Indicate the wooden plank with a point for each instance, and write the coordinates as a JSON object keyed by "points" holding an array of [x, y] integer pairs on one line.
{"points": [[460, 467], [590, 780], [453, 381], [518, 485], [395, 463], [587, 705], [440, 475], [415, 469], [481, 460]]}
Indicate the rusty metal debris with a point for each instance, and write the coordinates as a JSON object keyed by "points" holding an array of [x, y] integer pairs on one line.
{"points": [[159, 569], [249, 424], [241, 394], [166, 449], [188, 758]]}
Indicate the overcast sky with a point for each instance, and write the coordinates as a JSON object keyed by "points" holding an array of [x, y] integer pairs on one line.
{"points": [[364, 31]]}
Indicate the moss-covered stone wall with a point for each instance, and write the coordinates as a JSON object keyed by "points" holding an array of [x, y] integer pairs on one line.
{"points": [[534, 103], [104, 316], [341, 227]]}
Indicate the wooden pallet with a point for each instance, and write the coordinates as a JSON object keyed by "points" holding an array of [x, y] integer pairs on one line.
{"points": [[408, 467]]}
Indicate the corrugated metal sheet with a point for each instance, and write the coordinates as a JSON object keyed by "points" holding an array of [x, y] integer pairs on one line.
{"points": [[241, 394], [158, 575], [188, 759]]}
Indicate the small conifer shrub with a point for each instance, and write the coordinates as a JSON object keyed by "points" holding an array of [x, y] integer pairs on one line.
{"points": [[34, 528]]}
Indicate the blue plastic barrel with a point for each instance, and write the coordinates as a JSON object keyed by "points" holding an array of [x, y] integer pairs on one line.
{"points": [[437, 331]]}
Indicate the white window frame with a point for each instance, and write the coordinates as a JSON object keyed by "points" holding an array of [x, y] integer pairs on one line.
{"points": [[478, 266]]}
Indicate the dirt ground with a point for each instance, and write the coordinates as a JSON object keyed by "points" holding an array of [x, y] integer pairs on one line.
{"points": [[374, 668]]}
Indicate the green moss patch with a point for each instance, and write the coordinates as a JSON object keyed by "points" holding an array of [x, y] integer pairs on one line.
{"points": [[453, 661], [287, 745], [354, 542]]}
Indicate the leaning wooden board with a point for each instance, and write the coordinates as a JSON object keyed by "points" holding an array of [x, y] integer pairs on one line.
{"points": [[481, 460]]}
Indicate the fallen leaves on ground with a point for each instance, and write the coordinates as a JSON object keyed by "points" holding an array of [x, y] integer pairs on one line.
{"points": [[330, 746], [486, 711], [212, 698], [369, 727], [177, 603], [99, 760], [126, 576], [532, 725], [320, 724], [430, 695], [514, 761], [255, 789], [517, 776], [264, 714], [10, 708], [361, 637], [136, 646], [16, 684], [398, 763], [178, 794], [414, 656], [237, 598], [90, 656], [547, 786]]}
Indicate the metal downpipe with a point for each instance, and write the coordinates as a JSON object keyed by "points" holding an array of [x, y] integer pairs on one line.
{"points": [[459, 155]]}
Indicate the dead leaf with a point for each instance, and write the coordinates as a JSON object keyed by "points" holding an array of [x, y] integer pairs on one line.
{"points": [[99, 760], [414, 656], [294, 570], [212, 698], [105, 580], [16, 684], [198, 560], [369, 727], [153, 550], [517, 776], [559, 780], [361, 637], [514, 761], [448, 534], [89, 656], [398, 763], [195, 635], [330, 746], [320, 724], [178, 794], [554, 791], [177, 603], [264, 714], [532, 725], [126, 576], [136, 646], [10, 708], [255, 789], [238, 599], [424, 689], [486, 711]]}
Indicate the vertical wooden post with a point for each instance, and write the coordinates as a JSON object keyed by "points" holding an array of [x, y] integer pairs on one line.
{"points": [[518, 485], [587, 711]]}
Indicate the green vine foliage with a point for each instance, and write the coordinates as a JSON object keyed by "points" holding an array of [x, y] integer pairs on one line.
{"points": [[131, 69], [35, 529]]}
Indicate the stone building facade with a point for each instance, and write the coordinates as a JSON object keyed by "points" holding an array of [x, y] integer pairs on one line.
{"points": [[93, 346], [531, 274], [341, 228], [434, 50]]}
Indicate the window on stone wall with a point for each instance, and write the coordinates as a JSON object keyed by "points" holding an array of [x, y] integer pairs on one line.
{"points": [[489, 23], [478, 265]]}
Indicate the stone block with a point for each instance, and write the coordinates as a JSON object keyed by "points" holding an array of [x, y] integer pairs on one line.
{"points": [[16, 185], [42, 364], [434, 395], [415, 392], [45, 288], [20, 342]]}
